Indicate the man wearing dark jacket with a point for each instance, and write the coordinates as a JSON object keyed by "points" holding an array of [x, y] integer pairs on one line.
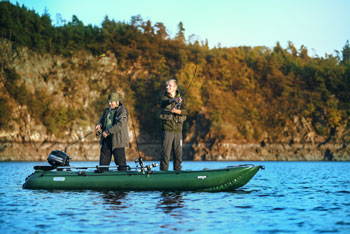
{"points": [[173, 114], [115, 137]]}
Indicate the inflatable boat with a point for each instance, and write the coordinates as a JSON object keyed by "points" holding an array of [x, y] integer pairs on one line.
{"points": [[61, 176]]}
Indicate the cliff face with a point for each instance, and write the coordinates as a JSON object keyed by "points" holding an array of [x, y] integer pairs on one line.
{"points": [[56, 83], [70, 83], [297, 141]]}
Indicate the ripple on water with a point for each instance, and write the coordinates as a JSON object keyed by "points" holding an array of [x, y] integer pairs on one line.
{"points": [[244, 207], [343, 223], [286, 197]]}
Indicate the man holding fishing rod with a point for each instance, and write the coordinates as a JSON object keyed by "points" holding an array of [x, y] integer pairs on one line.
{"points": [[173, 114], [115, 137]]}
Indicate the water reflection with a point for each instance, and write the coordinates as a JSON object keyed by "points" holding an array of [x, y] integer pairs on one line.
{"points": [[170, 201], [114, 199], [273, 201]]}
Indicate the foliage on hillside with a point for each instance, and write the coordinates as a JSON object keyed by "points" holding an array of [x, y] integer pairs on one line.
{"points": [[244, 92]]}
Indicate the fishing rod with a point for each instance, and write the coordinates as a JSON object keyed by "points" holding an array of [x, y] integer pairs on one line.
{"points": [[188, 87], [98, 132], [58, 158], [81, 138], [140, 160], [178, 105], [137, 144]]}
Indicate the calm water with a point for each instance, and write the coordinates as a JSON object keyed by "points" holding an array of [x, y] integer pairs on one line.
{"points": [[302, 197]]}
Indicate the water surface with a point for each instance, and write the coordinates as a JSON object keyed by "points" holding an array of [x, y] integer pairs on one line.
{"points": [[286, 197]]}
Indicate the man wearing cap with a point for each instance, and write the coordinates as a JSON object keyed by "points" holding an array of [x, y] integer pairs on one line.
{"points": [[173, 114], [115, 137]]}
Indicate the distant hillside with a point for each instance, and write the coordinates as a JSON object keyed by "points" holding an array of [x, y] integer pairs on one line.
{"points": [[54, 82]]}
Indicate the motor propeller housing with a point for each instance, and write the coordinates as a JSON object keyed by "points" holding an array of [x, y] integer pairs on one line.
{"points": [[58, 158]]}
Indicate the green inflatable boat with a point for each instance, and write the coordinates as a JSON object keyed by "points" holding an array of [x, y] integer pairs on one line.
{"points": [[61, 176], [226, 179]]}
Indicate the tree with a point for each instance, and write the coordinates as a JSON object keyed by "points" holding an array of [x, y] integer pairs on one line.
{"points": [[346, 53], [147, 28], [238, 87], [136, 21], [161, 31], [180, 35]]}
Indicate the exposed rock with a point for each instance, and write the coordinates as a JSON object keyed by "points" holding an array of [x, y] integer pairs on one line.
{"points": [[28, 140]]}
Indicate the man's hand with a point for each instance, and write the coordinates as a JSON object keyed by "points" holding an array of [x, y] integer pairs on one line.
{"points": [[98, 127], [104, 134], [177, 100], [176, 111]]}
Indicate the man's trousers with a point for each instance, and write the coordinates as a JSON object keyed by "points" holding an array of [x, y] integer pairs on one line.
{"points": [[171, 141], [106, 155]]}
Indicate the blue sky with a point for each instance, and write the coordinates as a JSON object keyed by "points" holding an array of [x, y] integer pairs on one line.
{"points": [[322, 26]]}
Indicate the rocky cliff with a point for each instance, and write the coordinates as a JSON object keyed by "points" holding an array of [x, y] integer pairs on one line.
{"points": [[69, 83]]}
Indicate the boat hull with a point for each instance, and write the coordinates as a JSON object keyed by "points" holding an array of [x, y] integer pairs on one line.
{"points": [[227, 179]]}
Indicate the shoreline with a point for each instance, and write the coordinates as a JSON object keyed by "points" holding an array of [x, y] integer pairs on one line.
{"points": [[202, 151]]}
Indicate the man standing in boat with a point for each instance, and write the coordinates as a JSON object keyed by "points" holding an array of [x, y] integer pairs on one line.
{"points": [[173, 114], [115, 137]]}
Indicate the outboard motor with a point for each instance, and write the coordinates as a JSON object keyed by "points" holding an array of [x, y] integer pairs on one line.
{"points": [[58, 158]]}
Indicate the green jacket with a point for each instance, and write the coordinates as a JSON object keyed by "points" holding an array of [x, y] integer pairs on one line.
{"points": [[170, 121], [119, 129]]}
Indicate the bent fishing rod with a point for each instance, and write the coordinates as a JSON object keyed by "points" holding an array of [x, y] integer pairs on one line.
{"points": [[139, 160], [178, 105], [81, 138], [189, 85]]}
